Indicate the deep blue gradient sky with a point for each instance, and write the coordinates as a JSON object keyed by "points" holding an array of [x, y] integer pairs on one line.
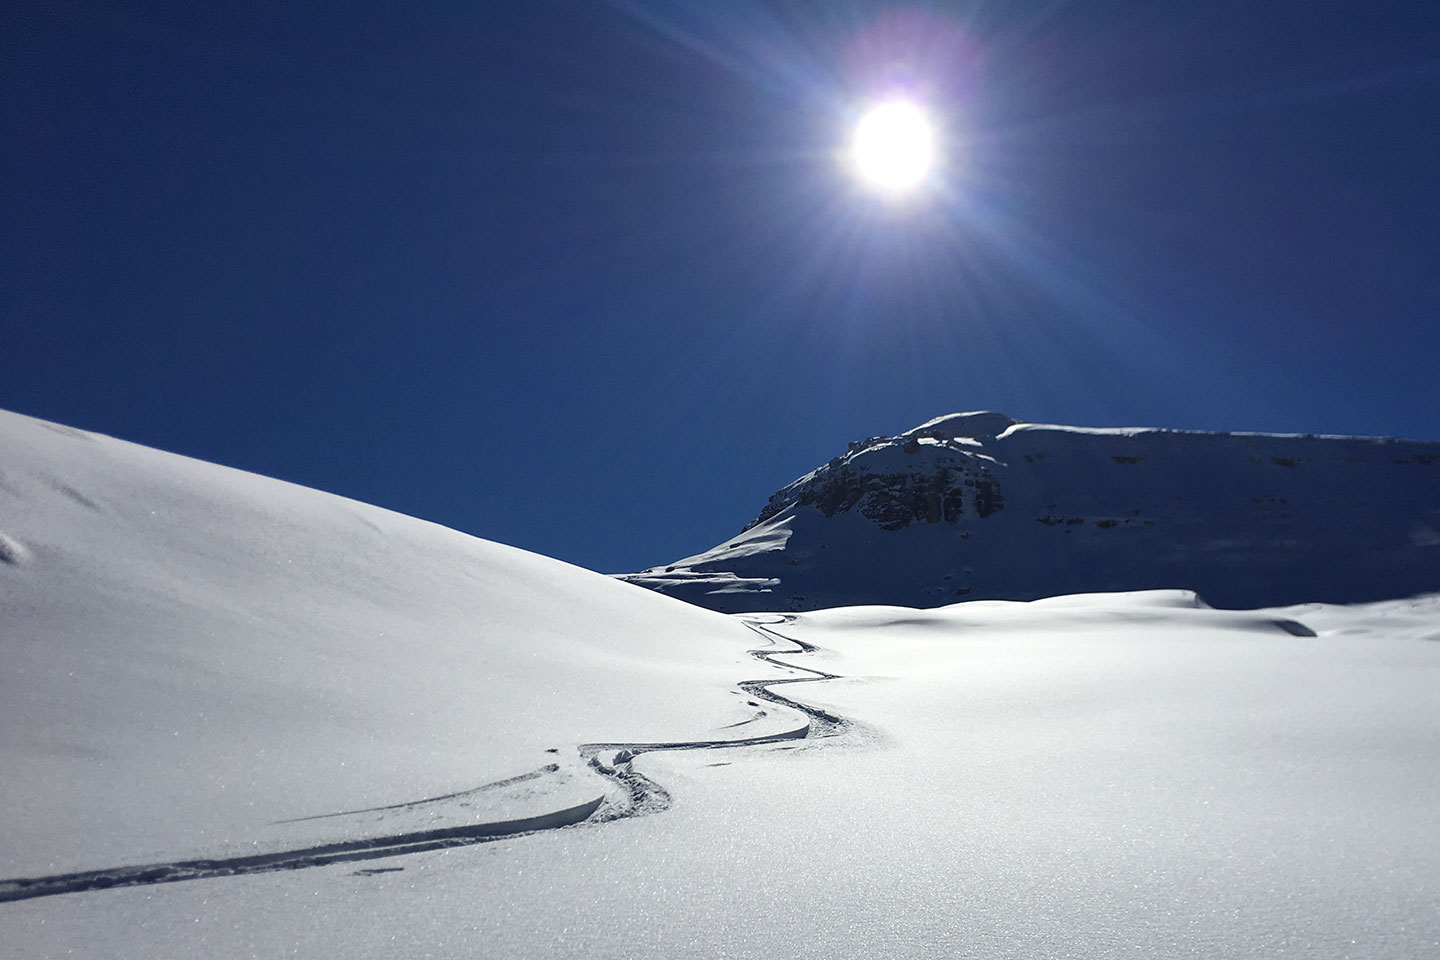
{"points": [[587, 278]]}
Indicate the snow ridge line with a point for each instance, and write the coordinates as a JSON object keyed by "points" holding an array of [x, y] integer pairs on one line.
{"points": [[639, 796]]}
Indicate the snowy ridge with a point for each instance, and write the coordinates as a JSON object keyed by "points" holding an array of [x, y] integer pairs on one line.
{"points": [[199, 664], [978, 505]]}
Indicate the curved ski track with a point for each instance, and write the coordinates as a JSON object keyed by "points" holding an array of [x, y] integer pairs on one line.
{"points": [[639, 796]]}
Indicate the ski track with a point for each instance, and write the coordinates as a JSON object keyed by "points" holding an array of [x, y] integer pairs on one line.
{"points": [[639, 796]]}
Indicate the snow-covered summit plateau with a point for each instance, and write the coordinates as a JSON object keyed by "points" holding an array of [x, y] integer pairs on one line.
{"points": [[979, 506]]}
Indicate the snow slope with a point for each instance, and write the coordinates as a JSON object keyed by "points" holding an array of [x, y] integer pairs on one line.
{"points": [[190, 655], [977, 506], [319, 715], [1111, 777]]}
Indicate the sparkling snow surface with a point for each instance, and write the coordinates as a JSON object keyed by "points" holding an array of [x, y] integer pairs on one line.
{"points": [[1103, 776]]}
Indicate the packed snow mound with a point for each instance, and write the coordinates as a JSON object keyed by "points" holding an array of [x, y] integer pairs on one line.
{"points": [[980, 506], [190, 654]]}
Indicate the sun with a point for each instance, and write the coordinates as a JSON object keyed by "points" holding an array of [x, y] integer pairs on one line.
{"points": [[893, 146]]}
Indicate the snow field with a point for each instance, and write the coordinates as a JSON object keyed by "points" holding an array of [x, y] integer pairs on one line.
{"points": [[1111, 776]]}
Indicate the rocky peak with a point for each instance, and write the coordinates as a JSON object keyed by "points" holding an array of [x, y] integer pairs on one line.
{"points": [[933, 473], [975, 505]]}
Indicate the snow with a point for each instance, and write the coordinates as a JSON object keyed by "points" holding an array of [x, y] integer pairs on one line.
{"points": [[1131, 776], [976, 423], [190, 654]]}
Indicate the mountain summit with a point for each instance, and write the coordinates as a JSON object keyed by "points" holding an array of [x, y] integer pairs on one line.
{"points": [[979, 506]]}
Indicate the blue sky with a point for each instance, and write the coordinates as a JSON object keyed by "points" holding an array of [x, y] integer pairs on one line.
{"points": [[587, 277]]}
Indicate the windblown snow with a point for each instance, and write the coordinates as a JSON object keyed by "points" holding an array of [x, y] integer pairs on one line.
{"points": [[304, 708]]}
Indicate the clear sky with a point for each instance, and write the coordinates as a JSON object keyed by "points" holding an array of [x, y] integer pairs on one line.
{"points": [[588, 277]]}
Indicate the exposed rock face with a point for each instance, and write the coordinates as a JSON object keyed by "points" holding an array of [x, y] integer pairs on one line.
{"points": [[976, 505], [934, 488], [894, 500]]}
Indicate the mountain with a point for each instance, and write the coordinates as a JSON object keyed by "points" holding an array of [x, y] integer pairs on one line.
{"points": [[240, 718], [980, 506]]}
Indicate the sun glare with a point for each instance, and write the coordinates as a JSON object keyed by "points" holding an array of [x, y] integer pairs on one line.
{"points": [[893, 147]]}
